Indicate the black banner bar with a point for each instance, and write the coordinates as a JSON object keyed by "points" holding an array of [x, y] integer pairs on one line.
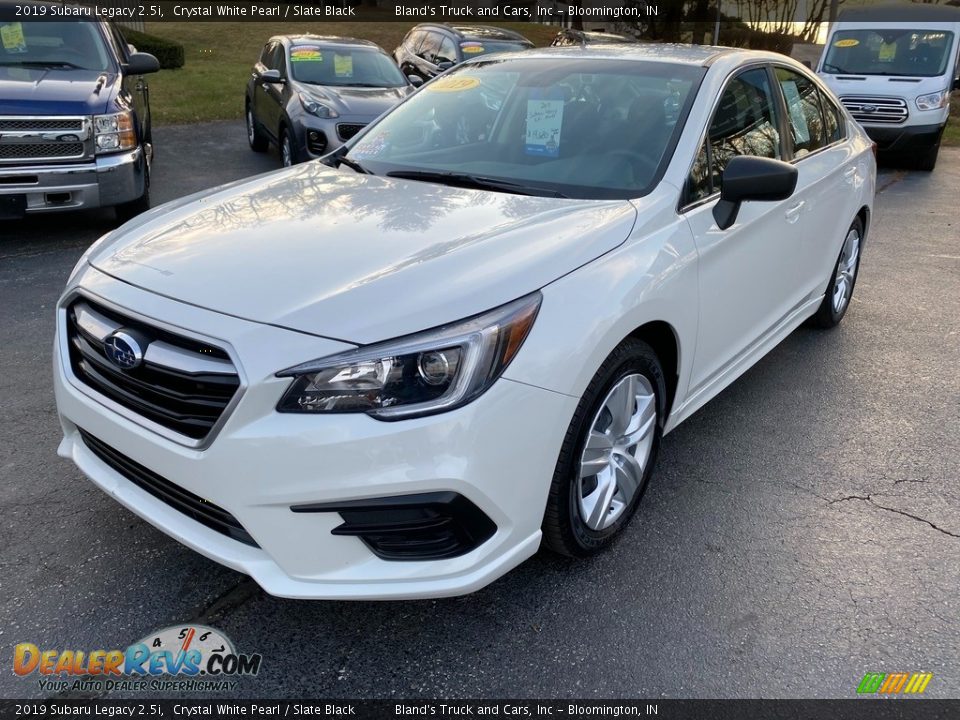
{"points": [[853, 709]]}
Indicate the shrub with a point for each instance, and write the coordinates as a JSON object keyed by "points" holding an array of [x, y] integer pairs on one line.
{"points": [[167, 52]]}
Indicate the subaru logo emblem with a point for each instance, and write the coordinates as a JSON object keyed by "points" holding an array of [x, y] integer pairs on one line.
{"points": [[123, 350]]}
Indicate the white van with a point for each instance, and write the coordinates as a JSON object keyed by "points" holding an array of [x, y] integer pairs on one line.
{"points": [[894, 68]]}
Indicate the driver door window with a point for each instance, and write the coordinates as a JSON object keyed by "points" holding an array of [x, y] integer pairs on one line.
{"points": [[744, 123], [430, 47]]}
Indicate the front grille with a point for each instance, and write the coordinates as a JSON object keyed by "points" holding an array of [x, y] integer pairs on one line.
{"points": [[38, 124], [181, 384], [26, 139], [348, 130], [41, 151], [876, 110], [193, 506]]}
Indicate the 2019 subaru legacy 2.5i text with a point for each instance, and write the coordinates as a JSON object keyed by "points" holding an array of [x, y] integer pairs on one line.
{"points": [[393, 373]]}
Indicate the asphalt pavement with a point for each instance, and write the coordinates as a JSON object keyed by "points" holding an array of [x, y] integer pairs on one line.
{"points": [[802, 529]]}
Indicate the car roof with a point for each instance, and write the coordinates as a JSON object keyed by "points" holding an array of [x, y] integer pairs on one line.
{"points": [[678, 54], [309, 38], [485, 32]]}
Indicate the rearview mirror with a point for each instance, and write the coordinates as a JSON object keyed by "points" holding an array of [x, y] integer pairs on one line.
{"points": [[415, 80], [140, 63], [271, 76], [752, 178]]}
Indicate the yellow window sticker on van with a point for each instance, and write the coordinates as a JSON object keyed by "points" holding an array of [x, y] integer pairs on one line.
{"points": [[11, 36], [454, 84], [848, 42]]}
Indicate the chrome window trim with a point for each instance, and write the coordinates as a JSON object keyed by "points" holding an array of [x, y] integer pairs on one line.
{"points": [[171, 435]]}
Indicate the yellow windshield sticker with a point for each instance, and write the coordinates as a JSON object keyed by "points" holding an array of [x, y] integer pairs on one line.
{"points": [[848, 42], [342, 65], [471, 49], [12, 38], [887, 52], [454, 84], [306, 53]]}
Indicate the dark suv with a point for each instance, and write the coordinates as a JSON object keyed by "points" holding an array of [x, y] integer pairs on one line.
{"points": [[74, 117], [429, 50]]}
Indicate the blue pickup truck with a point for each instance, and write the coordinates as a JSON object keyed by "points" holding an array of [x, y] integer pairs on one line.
{"points": [[74, 117]]}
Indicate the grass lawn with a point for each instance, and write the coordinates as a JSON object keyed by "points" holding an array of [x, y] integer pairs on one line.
{"points": [[219, 56], [951, 136]]}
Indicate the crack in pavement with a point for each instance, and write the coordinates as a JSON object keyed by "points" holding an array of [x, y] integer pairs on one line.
{"points": [[869, 499]]}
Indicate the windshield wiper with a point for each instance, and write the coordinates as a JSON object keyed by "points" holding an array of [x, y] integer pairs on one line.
{"points": [[829, 67], [339, 157], [475, 181], [41, 63]]}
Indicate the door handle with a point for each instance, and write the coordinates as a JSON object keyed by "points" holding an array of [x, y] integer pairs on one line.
{"points": [[793, 214]]}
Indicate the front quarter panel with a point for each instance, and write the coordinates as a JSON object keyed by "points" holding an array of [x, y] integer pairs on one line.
{"points": [[587, 313]]}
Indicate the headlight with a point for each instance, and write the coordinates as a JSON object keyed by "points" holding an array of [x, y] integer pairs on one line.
{"points": [[420, 374], [114, 132], [317, 108], [934, 101]]}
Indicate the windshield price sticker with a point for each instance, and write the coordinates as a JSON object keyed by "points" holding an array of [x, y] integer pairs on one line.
{"points": [[544, 121], [848, 42], [471, 48], [342, 65], [12, 38], [459, 83], [306, 53]]}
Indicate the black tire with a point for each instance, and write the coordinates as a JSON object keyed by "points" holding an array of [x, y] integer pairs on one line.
{"points": [[255, 137], [129, 210], [287, 146], [927, 160], [828, 315], [564, 530]]}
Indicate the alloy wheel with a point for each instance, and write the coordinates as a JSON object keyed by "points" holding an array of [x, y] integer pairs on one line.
{"points": [[286, 151], [846, 271], [251, 130], [617, 451]]}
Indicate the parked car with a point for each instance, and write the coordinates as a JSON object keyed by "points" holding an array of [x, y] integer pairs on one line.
{"points": [[396, 377], [309, 94], [570, 36], [894, 70], [75, 126], [431, 49]]}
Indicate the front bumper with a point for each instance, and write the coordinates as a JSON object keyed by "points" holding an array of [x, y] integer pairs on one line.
{"points": [[316, 137], [498, 453], [904, 138], [107, 180]]}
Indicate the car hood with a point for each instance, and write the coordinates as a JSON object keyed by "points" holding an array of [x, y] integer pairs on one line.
{"points": [[356, 257], [55, 91], [370, 102]]}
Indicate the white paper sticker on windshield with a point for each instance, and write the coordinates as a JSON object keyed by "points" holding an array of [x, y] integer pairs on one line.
{"points": [[801, 132], [544, 121], [11, 36], [342, 65]]}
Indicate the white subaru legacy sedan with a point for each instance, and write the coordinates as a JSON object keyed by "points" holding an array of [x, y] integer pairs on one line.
{"points": [[395, 372]]}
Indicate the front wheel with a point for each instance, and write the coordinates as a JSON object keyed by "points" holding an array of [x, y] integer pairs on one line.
{"points": [[255, 137], [927, 160], [287, 155], [608, 453], [842, 280]]}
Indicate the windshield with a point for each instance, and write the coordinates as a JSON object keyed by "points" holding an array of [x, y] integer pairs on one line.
{"points": [[475, 48], [578, 128], [69, 44], [916, 53], [343, 66]]}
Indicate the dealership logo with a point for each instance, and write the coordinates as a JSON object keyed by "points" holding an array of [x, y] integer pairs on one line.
{"points": [[123, 350], [894, 683], [200, 655]]}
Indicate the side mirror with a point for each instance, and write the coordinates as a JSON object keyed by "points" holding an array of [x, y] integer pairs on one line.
{"points": [[807, 64], [415, 80], [956, 84], [752, 178], [444, 65], [140, 63], [271, 76]]}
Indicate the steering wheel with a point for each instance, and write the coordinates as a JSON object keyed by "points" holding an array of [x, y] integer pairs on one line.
{"points": [[641, 164]]}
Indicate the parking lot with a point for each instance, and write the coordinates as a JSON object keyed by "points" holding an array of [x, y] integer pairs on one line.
{"points": [[802, 529]]}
